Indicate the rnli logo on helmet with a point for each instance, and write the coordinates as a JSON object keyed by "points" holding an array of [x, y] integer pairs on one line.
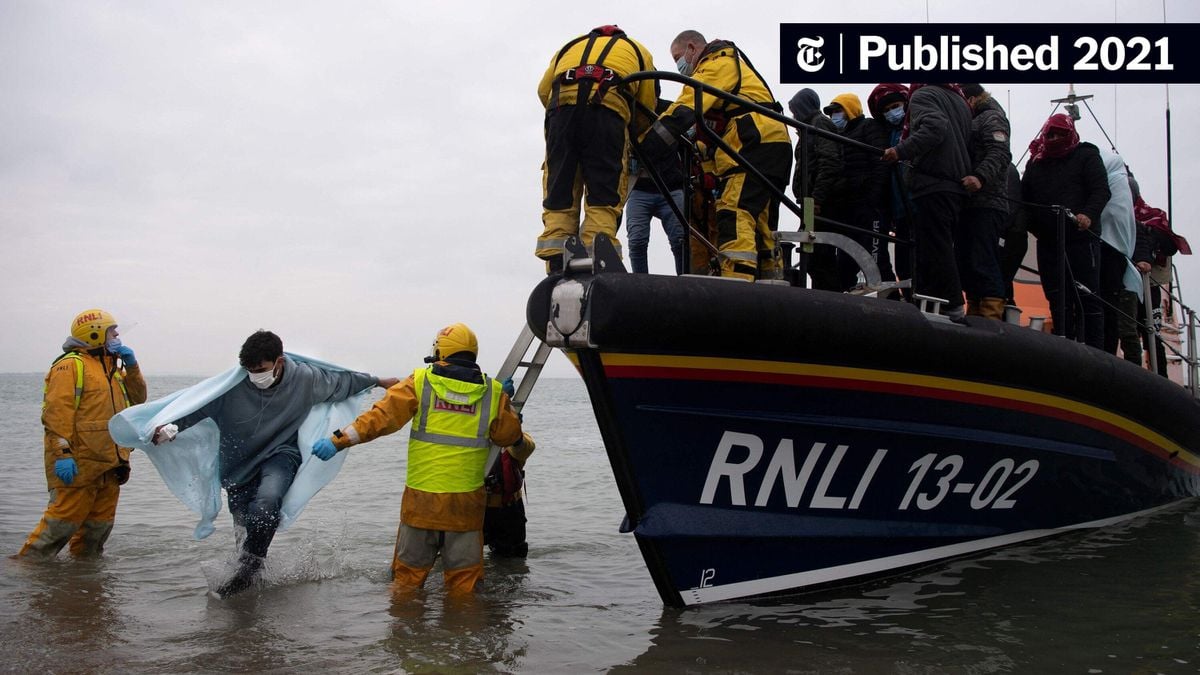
{"points": [[87, 318], [808, 54]]}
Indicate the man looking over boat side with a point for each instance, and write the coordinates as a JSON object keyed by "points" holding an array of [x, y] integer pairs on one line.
{"points": [[587, 132], [1066, 172], [747, 213], [977, 234], [94, 378], [939, 124], [457, 411]]}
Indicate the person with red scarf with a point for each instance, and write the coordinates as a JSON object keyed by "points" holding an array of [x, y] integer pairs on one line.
{"points": [[1063, 171]]}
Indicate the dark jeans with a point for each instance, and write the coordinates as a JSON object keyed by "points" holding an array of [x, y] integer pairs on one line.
{"points": [[1119, 319], [976, 239], [255, 504], [1083, 317], [936, 272]]}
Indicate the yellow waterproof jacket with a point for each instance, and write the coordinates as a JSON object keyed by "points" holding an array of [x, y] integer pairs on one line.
{"points": [[83, 391], [426, 509], [625, 57], [722, 65]]}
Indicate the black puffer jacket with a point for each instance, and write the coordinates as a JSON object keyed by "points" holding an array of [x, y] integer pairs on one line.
{"points": [[990, 156], [939, 123], [864, 175], [1077, 181], [824, 160]]}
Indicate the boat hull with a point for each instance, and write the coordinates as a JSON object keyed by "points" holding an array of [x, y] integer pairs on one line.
{"points": [[767, 439]]}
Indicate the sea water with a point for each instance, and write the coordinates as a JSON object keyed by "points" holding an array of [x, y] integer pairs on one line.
{"points": [[1119, 600]]}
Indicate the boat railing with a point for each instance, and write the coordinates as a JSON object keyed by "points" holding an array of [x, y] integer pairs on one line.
{"points": [[807, 237]]}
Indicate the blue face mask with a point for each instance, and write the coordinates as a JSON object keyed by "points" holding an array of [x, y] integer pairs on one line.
{"points": [[112, 344], [683, 66], [839, 120], [894, 116]]}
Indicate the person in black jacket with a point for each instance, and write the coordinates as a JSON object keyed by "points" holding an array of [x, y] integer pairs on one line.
{"points": [[824, 153], [888, 102], [1063, 171], [858, 193], [978, 232], [939, 123]]}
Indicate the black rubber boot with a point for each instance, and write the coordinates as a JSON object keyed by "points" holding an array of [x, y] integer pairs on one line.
{"points": [[249, 567]]}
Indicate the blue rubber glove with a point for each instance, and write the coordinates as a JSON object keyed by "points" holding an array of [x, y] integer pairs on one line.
{"points": [[126, 355], [66, 469], [506, 385], [324, 449]]}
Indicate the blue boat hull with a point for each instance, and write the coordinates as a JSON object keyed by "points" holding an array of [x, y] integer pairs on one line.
{"points": [[769, 439]]}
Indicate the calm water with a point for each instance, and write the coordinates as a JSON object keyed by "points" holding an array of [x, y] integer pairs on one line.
{"points": [[1120, 600]]}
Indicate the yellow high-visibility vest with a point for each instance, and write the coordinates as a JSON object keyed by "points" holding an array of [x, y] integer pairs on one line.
{"points": [[448, 443]]}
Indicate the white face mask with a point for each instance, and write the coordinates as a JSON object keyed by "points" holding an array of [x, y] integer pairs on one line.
{"points": [[263, 380], [112, 344]]}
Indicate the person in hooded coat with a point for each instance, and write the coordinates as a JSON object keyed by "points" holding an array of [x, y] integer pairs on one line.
{"points": [[859, 191], [1064, 171]]}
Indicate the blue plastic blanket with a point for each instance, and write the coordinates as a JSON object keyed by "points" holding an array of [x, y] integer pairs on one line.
{"points": [[188, 465]]}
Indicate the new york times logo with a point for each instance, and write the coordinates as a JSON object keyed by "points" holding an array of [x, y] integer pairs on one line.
{"points": [[808, 54], [1018, 53]]}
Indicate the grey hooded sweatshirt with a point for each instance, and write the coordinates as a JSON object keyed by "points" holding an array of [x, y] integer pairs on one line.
{"points": [[257, 424]]}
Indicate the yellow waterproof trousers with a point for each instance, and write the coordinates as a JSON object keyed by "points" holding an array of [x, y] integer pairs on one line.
{"points": [[586, 153], [81, 515], [417, 549]]}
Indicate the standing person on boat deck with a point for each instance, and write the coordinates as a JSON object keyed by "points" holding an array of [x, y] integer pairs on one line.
{"points": [[1120, 282], [859, 190], [457, 411], [888, 102], [93, 379], [936, 140], [646, 201], [259, 420], [747, 211], [824, 166], [586, 131], [1066, 172], [977, 235]]}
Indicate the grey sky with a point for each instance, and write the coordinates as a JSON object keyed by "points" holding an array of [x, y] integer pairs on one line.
{"points": [[354, 176]]}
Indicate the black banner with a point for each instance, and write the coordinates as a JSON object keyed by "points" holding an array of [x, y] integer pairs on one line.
{"points": [[1124, 53]]}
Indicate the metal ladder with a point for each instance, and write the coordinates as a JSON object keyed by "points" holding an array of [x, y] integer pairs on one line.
{"points": [[533, 368]]}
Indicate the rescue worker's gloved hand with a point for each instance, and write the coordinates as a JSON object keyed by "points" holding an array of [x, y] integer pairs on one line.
{"points": [[126, 355], [507, 386], [66, 469], [324, 449]]}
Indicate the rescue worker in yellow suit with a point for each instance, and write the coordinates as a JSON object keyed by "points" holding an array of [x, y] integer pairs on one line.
{"points": [[95, 378], [747, 212], [456, 411], [587, 134]]}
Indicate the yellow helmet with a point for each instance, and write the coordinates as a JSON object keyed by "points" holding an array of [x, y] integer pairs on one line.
{"points": [[453, 339], [91, 327]]}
